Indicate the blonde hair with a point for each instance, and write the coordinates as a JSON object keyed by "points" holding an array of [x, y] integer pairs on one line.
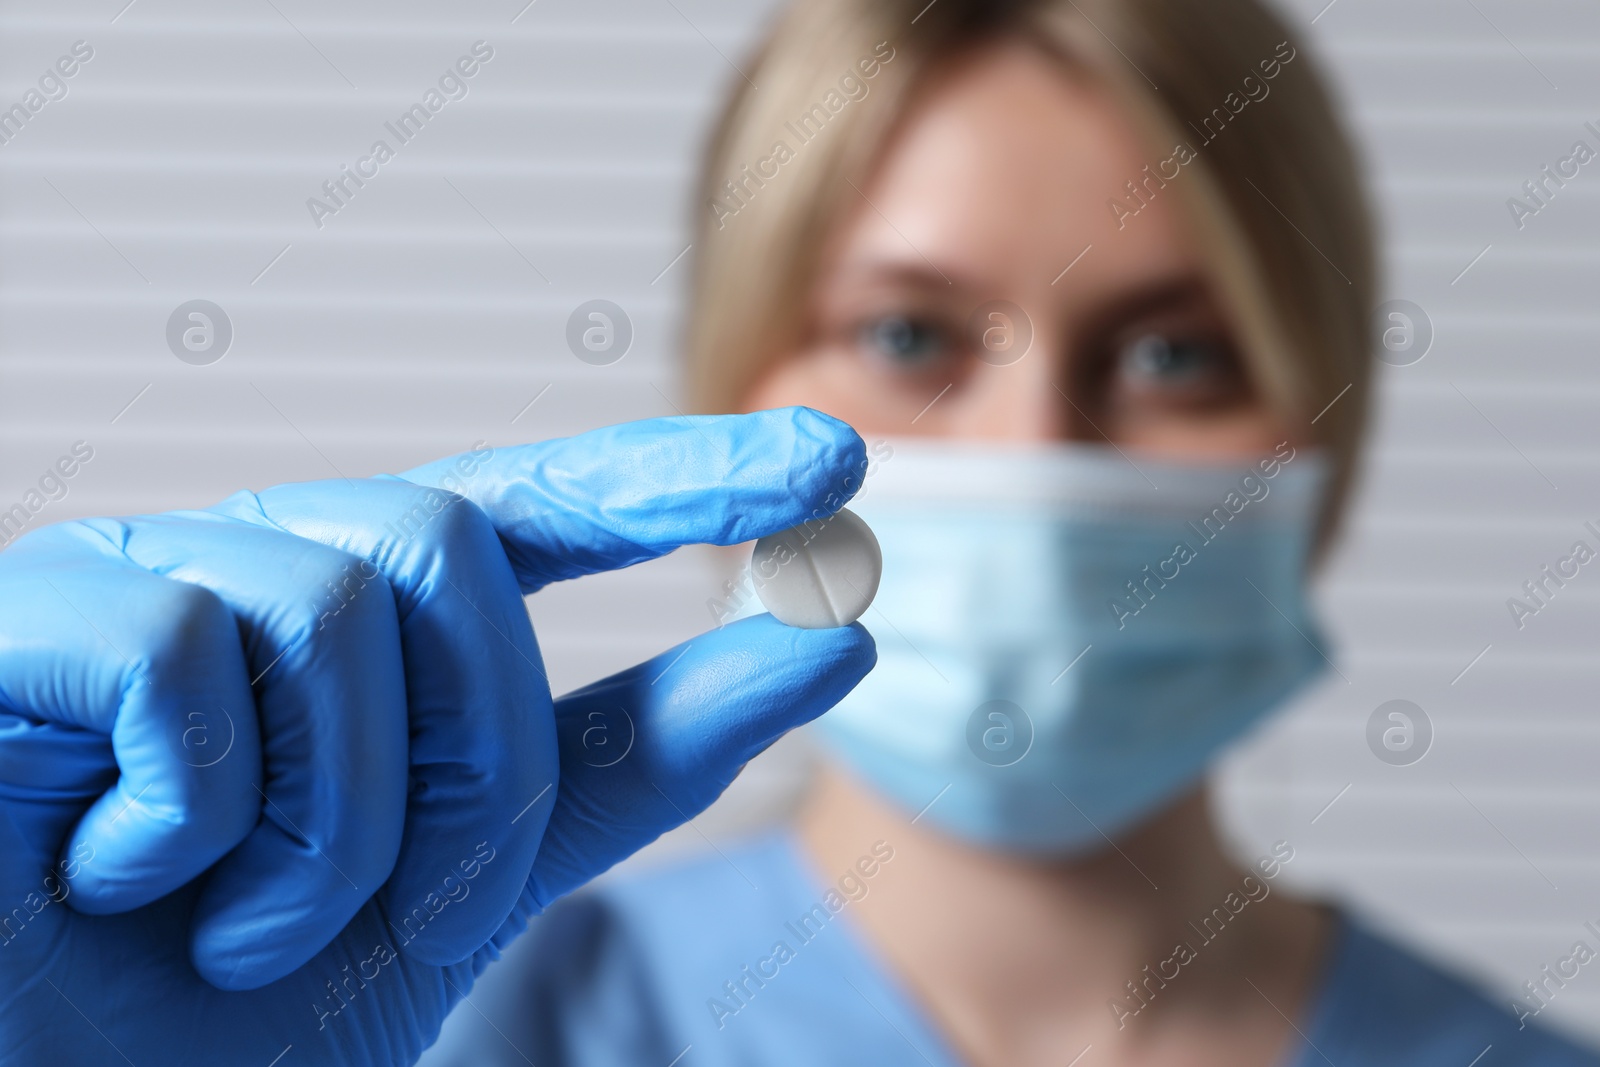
{"points": [[1273, 187]]}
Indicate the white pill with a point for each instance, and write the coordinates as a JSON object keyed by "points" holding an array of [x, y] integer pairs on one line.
{"points": [[820, 574]]}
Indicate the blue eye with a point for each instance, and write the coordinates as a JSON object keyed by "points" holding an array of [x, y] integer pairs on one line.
{"points": [[1165, 360], [903, 341]]}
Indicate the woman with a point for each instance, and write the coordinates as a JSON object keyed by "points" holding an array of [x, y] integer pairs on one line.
{"points": [[1093, 279]]}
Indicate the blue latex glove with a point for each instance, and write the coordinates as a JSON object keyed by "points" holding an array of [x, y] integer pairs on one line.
{"points": [[282, 777]]}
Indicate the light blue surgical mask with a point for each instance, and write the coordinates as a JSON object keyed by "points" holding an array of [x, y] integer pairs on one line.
{"points": [[1065, 640]]}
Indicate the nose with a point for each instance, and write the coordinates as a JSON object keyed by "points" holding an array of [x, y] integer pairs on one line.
{"points": [[1018, 397]]}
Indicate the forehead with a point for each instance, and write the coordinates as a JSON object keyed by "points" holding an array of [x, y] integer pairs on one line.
{"points": [[1005, 168]]}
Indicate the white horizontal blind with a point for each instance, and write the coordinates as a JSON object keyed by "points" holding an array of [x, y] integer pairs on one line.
{"points": [[430, 309], [426, 314]]}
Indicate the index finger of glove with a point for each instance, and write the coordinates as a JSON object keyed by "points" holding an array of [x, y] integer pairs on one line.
{"points": [[624, 494]]}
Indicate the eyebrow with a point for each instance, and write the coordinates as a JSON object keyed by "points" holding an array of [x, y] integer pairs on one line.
{"points": [[1158, 294], [917, 274], [1152, 295]]}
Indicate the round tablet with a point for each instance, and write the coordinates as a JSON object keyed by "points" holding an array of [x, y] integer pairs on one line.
{"points": [[820, 574]]}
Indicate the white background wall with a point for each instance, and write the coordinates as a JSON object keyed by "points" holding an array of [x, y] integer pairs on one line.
{"points": [[430, 311]]}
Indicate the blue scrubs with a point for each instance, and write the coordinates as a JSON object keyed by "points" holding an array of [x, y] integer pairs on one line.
{"points": [[681, 967]]}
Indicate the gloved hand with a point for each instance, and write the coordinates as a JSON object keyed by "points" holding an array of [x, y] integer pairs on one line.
{"points": [[281, 777]]}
